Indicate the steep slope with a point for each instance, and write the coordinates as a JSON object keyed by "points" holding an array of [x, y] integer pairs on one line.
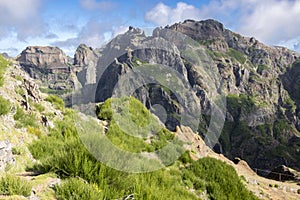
{"points": [[195, 68], [59, 153], [43, 151], [213, 63]]}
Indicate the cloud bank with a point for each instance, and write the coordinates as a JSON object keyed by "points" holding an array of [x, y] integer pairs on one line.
{"points": [[271, 21], [21, 17]]}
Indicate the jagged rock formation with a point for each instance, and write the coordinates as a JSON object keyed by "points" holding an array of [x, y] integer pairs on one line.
{"points": [[261, 117], [85, 61], [48, 65], [260, 84], [6, 156]]}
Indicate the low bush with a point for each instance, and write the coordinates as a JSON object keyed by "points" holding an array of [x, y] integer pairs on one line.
{"points": [[4, 106], [34, 131], [39, 107], [219, 179], [3, 65], [62, 152], [13, 185], [24, 119], [77, 189], [239, 56], [57, 102]]}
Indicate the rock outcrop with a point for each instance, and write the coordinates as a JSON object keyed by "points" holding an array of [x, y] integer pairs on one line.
{"points": [[50, 59], [261, 118], [47, 65], [6, 156], [85, 61]]}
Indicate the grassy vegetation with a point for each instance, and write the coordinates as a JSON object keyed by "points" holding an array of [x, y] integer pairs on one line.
{"points": [[239, 56], [3, 65], [63, 153], [290, 103], [132, 124], [217, 178], [4, 106], [39, 107], [77, 189], [261, 68], [13, 185], [57, 102], [207, 42], [25, 119], [239, 103]]}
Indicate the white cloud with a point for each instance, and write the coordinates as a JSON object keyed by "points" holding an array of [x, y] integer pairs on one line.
{"points": [[270, 21], [22, 17], [94, 5], [119, 30], [162, 14], [93, 33]]}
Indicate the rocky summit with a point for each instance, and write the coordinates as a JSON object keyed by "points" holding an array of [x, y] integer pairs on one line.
{"points": [[258, 83], [49, 65]]}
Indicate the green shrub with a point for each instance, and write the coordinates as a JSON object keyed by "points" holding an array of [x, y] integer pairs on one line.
{"points": [[13, 185], [24, 120], [3, 65], [239, 56], [239, 103], [77, 189], [57, 102], [20, 91], [34, 131], [39, 107], [130, 123], [261, 68], [62, 152], [220, 180], [185, 158], [4, 106], [298, 191]]}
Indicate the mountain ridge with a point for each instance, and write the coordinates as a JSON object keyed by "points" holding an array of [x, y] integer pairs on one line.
{"points": [[262, 117], [24, 135]]}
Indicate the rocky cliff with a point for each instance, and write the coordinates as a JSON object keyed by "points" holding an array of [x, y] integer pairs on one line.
{"points": [[182, 73], [49, 66], [258, 82], [85, 61]]}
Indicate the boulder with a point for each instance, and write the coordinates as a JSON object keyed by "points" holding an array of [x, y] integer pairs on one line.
{"points": [[6, 156]]}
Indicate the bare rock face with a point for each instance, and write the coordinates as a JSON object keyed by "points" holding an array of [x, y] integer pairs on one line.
{"points": [[262, 114], [85, 61], [48, 65], [6, 156], [48, 58]]}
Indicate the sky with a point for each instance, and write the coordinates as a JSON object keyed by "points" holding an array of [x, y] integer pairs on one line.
{"points": [[68, 23]]}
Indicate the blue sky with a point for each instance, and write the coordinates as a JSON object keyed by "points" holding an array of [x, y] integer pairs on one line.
{"points": [[67, 23]]}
